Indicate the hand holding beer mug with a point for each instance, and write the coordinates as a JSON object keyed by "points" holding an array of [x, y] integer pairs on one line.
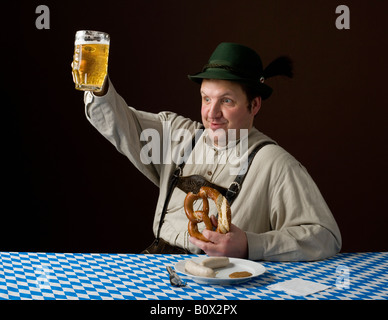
{"points": [[90, 63]]}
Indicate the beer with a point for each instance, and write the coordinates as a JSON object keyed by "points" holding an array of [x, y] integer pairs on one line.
{"points": [[90, 64]]}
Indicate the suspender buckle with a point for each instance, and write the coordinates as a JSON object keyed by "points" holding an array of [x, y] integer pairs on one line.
{"points": [[178, 172], [233, 190], [234, 187]]}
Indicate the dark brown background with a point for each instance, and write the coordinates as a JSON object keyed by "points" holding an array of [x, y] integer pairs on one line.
{"points": [[66, 189]]}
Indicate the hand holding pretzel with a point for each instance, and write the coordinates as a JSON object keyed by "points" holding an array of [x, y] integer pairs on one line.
{"points": [[223, 208]]}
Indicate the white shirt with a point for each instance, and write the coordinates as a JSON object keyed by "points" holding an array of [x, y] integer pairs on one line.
{"points": [[279, 206]]}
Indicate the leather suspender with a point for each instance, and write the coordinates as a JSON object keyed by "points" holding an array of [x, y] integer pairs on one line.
{"points": [[231, 193], [172, 184], [235, 186]]}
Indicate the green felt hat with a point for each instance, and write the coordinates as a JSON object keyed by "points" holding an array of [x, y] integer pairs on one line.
{"points": [[236, 62]]}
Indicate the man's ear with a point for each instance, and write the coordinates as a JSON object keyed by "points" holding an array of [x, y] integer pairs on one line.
{"points": [[256, 105]]}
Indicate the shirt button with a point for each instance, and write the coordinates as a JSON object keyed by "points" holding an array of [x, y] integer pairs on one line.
{"points": [[209, 173]]}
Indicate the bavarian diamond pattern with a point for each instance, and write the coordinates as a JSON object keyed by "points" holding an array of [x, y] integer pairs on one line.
{"points": [[44, 276]]}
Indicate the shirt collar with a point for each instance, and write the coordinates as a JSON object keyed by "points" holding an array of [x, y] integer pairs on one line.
{"points": [[231, 144]]}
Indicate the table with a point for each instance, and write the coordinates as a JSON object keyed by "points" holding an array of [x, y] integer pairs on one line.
{"points": [[77, 276]]}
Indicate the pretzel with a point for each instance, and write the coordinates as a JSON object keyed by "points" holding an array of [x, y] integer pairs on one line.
{"points": [[223, 208]]}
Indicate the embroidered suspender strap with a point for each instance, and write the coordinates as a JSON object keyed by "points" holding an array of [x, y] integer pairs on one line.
{"points": [[174, 180], [235, 186]]}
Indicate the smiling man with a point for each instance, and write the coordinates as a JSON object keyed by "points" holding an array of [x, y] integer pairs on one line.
{"points": [[277, 210], [225, 106]]}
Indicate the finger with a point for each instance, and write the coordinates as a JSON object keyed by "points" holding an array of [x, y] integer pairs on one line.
{"points": [[72, 71], [214, 221], [217, 237], [212, 236], [199, 243], [208, 247], [195, 241]]}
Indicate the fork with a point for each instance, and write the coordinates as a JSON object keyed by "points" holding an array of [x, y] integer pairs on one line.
{"points": [[175, 280]]}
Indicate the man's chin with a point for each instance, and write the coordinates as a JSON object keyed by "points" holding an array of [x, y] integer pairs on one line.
{"points": [[219, 136]]}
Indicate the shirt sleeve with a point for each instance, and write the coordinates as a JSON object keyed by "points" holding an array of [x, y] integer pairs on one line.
{"points": [[303, 227], [123, 125], [143, 137]]}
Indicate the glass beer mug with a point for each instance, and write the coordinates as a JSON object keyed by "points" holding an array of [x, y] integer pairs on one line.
{"points": [[90, 63]]}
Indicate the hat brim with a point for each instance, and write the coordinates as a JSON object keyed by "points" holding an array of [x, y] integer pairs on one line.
{"points": [[222, 74]]}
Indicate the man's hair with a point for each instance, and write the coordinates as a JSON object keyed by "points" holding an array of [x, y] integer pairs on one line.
{"points": [[251, 92]]}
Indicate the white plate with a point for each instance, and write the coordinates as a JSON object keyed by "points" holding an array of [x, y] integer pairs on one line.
{"points": [[222, 274]]}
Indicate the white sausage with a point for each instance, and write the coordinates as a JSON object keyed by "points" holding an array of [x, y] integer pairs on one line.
{"points": [[215, 262], [199, 270]]}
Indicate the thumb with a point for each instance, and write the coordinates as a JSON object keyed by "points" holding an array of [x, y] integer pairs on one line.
{"points": [[214, 220], [72, 71]]}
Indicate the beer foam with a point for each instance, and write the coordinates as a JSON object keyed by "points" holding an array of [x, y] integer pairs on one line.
{"points": [[83, 41], [93, 37]]}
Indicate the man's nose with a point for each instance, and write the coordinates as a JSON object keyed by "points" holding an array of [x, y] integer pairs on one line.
{"points": [[215, 111]]}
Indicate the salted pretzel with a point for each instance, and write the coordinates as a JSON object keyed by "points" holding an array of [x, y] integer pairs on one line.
{"points": [[195, 217]]}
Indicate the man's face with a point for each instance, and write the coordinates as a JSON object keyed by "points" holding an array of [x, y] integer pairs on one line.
{"points": [[225, 106]]}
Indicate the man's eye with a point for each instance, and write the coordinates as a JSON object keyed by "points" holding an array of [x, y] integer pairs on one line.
{"points": [[227, 101], [206, 99]]}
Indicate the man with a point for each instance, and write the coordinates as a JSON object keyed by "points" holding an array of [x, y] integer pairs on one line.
{"points": [[278, 214]]}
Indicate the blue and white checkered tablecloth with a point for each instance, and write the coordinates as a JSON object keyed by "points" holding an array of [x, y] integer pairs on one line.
{"points": [[351, 276]]}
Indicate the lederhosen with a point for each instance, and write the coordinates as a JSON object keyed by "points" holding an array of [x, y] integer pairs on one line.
{"points": [[194, 183]]}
